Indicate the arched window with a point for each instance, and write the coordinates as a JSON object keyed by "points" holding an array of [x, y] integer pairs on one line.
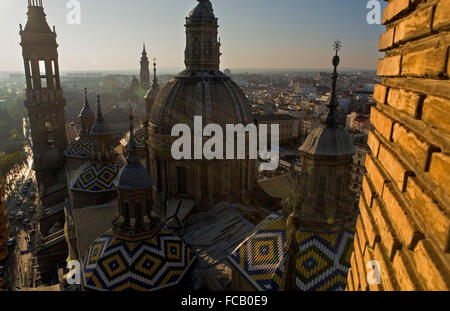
{"points": [[197, 46], [207, 47], [50, 134], [138, 211]]}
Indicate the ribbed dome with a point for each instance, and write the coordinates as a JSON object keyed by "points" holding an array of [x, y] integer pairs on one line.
{"points": [[210, 94], [326, 141], [151, 93], [134, 176], [203, 10]]}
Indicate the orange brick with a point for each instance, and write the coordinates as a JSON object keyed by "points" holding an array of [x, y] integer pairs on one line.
{"points": [[404, 273], [355, 268], [412, 145], [389, 66], [381, 122], [350, 284], [407, 229], [430, 62], [436, 221], [388, 236], [374, 143], [405, 101], [394, 167], [373, 235], [442, 15], [359, 259], [376, 177], [436, 112], [360, 231], [380, 93], [386, 40], [433, 272], [369, 194], [387, 277], [440, 171], [414, 26], [394, 8]]}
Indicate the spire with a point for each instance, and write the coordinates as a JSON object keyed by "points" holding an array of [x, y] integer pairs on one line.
{"points": [[133, 176], [86, 111], [144, 52], [99, 110], [330, 119], [155, 79], [37, 21], [100, 127]]}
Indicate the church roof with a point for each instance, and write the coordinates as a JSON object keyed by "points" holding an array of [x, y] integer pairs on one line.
{"points": [[139, 137], [91, 222], [326, 141], [323, 259], [37, 22], [152, 92], [100, 127], [113, 264], [133, 176], [79, 148], [96, 177], [86, 111]]}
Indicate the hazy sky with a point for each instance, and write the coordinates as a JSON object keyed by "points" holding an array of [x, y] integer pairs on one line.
{"points": [[254, 33]]}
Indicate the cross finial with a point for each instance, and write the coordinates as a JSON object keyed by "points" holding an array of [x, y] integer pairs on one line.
{"points": [[337, 46]]}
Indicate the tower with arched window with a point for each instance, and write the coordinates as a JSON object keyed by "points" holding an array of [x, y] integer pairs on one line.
{"points": [[44, 96]]}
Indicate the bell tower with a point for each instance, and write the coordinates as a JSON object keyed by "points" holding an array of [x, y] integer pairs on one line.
{"points": [[145, 71], [44, 96], [202, 45]]}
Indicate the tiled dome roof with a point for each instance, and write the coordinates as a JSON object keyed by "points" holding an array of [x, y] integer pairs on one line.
{"points": [[113, 264], [323, 259]]}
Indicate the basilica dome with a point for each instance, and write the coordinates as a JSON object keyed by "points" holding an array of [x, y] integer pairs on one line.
{"points": [[212, 95], [201, 90]]}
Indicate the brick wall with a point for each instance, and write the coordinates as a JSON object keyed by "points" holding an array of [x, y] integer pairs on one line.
{"points": [[405, 204]]}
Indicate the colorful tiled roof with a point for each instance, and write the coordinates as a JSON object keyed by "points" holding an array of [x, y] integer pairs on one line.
{"points": [[97, 177], [139, 136], [112, 264], [323, 259], [79, 148]]}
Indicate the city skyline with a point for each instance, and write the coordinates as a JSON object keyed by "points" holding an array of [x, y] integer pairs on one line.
{"points": [[248, 41]]}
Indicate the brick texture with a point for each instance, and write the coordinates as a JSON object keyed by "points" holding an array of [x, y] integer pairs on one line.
{"points": [[442, 15], [436, 112], [405, 202]]}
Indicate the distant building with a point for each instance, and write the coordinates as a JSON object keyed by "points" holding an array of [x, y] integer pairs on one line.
{"points": [[289, 127], [309, 125]]}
